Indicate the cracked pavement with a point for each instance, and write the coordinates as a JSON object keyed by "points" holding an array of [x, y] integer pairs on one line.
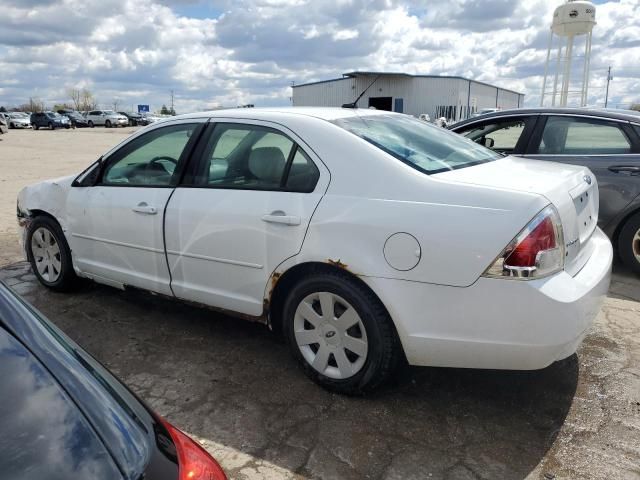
{"points": [[233, 385]]}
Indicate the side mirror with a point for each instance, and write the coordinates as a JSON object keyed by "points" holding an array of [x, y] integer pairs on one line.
{"points": [[487, 142]]}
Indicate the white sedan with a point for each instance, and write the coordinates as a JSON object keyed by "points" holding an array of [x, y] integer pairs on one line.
{"points": [[364, 236]]}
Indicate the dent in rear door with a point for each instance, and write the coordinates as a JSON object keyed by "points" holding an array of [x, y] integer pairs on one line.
{"points": [[224, 240]]}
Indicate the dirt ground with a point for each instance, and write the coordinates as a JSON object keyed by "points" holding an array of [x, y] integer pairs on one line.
{"points": [[233, 385]]}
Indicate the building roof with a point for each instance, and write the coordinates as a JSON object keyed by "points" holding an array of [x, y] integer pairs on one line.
{"points": [[358, 73]]}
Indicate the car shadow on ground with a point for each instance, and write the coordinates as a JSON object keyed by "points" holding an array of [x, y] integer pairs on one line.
{"points": [[234, 383]]}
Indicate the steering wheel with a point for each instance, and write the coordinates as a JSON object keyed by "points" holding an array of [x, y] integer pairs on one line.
{"points": [[156, 162]]}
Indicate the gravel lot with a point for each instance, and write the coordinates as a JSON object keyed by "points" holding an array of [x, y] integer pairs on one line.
{"points": [[233, 385]]}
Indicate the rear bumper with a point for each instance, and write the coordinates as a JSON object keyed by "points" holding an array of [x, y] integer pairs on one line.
{"points": [[499, 323]]}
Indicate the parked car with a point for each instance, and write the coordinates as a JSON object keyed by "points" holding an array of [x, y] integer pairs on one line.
{"points": [[4, 128], [50, 120], [75, 118], [65, 416], [108, 118], [365, 236], [151, 118], [605, 141], [135, 118], [18, 120]]}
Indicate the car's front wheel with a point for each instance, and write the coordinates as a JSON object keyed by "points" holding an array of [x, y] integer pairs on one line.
{"points": [[51, 127], [629, 243], [107, 124], [49, 254], [91, 124], [340, 333]]}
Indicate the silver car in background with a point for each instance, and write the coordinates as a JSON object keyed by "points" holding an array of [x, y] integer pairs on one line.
{"points": [[18, 120], [108, 118]]}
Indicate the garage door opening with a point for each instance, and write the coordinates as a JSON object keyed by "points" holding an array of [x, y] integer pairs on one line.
{"points": [[380, 103]]}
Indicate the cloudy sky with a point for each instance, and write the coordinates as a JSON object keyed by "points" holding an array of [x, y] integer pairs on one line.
{"points": [[232, 52]]}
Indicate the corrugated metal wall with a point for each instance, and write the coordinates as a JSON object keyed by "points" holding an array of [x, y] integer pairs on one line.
{"points": [[454, 98]]}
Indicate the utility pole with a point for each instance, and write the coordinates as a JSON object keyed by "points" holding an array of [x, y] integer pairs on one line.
{"points": [[172, 110], [609, 78]]}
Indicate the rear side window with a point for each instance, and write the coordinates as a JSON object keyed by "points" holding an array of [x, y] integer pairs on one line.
{"points": [[582, 136], [252, 157]]}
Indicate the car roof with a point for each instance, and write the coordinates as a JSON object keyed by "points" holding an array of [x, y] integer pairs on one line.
{"points": [[323, 113], [616, 114]]}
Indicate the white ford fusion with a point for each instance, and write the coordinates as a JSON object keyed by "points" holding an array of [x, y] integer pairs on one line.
{"points": [[363, 236]]}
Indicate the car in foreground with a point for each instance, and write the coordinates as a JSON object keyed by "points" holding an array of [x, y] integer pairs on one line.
{"points": [[605, 141], [108, 118], [76, 119], [65, 416], [50, 120], [364, 236], [17, 120]]}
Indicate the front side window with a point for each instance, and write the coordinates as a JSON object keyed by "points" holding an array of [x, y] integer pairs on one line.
{"points": [[251, 157], [582, 136], [149, 160], [425, 147], [500, 135]]}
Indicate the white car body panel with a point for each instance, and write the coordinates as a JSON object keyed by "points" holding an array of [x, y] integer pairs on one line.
{"points": [[223, 248], [110, 240], [220, 252]]}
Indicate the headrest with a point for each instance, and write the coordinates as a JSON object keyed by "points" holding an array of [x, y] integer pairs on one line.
{"points": [[267, 164]]}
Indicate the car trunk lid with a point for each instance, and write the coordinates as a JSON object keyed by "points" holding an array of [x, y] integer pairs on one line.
{"points": [[572, 190]]}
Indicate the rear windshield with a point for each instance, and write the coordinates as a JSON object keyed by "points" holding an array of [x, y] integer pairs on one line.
{"points": [[425, 147]]}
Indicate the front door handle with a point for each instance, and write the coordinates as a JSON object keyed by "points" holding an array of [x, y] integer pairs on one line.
{"points": [[280, 217], [142, 207], [630, 169]]}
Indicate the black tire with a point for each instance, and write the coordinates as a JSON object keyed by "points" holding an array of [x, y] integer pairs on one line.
{"points": [[36, 127], [67, 126], [51, 127], [107, 124], [91, 124], [67, 279], [384, 350], [629, 243]]}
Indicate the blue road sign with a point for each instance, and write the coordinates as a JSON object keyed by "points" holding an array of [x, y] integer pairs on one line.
{"points": [[143, 108]]}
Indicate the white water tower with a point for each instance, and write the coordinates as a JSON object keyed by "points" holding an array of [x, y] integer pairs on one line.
{"points": [[570, 20]]}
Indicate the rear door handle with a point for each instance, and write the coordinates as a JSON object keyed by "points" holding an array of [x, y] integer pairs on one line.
{"points": [[631, 169], [280, 217], [142, 207]]}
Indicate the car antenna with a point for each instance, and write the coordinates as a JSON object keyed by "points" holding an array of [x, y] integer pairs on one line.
{"points": [[354, 104]]}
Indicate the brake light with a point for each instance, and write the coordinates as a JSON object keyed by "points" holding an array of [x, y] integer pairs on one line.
{"points": [[537, 251], [194, 463]]}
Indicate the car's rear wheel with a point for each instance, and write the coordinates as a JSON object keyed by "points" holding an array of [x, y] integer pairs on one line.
{"points": [[340, 333], [36, 127], [49, 254], [91, 124], [107, 124], [629, 243]]}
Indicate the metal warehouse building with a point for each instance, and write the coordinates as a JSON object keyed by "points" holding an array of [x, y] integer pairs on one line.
{"points": [[451, 97]]}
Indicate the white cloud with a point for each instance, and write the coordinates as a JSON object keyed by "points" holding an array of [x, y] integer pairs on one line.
{"points": [[249, 51]]}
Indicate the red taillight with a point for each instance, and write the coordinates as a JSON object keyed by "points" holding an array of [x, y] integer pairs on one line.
{"points": [[542, 237], [194, 463], [537, 251]]}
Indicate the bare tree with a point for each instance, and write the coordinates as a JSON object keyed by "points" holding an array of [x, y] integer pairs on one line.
{"points": [[88, 101], [76, 97], [34, 105], [116, 103]]}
